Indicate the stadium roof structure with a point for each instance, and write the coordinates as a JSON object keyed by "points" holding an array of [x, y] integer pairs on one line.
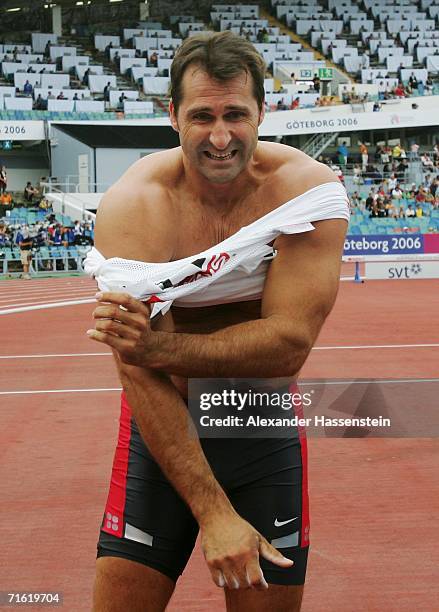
{"points": [[122, 136]]}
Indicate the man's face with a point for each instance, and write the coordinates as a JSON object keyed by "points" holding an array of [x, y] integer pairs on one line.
{"points": [[217, 123]]}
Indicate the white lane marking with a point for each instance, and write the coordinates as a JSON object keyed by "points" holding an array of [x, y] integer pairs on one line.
{"points": [[49, 355], [372, 346], [59, 391], [20, 295], [316, 348], [39, 302], [31, 300], [338, 382], [43, 306], [367, 381], [26, 285]]}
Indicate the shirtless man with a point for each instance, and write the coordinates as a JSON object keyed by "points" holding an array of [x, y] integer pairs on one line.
{"points": [[169, 206]]}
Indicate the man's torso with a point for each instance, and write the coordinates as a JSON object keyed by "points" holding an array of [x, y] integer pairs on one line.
{"points": [[198, 227]]}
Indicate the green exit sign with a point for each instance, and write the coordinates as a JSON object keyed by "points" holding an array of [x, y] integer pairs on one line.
{"points": [[325, 73]]}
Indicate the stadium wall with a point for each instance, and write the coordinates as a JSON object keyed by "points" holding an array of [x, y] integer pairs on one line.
{"points": [[112, 163], [23, 167], [65, 159]]}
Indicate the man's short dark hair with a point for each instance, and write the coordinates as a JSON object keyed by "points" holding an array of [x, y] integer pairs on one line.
{"points": [[223, 56]]}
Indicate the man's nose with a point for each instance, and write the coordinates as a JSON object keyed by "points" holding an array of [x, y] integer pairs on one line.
{"points": [[220, 136]]}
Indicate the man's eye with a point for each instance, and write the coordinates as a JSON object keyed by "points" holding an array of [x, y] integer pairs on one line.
{"points": [[235, 115], [201, 117]]}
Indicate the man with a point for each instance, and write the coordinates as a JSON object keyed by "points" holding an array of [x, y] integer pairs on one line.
{"points": [[241, 494], [343, 153], [364, 152], [29, 192], [25, 242]]}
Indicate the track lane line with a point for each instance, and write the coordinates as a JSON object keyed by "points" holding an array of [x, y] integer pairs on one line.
{"points": [[393, 381], [315, 348]]}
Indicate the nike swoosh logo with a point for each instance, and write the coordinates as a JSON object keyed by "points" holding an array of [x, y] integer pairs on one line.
{"points": [[280, 523]]}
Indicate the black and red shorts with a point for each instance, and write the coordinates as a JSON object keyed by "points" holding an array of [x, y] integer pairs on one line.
{"points": [[145, 519]]}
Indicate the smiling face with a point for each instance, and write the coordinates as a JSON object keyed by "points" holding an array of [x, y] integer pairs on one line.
{"points": [[217, 124]]}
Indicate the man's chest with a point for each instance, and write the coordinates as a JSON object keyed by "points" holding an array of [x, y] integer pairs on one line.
{"points": [[199, 228]]}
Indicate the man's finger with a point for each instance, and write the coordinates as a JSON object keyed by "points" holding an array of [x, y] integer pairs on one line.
{"points": [[106, 338], [255, 576], [231, 580], [122, 299], [114, 327], [218, 578], [115, 312], [270, 553]]}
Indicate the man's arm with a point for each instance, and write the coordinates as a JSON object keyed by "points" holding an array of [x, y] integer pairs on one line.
{"points": [[299, 293]]}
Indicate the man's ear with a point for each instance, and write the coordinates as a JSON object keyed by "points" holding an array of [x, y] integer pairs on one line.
{"points": [[262, 112], [173, 115]]}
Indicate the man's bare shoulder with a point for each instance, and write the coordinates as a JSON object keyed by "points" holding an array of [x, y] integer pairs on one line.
{"points": [[138, 210], [149, 177], [293, 172]]}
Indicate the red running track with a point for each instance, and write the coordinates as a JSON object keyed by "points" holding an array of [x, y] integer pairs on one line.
{"points": [[373, 524]]}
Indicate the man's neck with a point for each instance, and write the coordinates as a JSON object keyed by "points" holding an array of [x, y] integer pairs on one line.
{"points": [[220, 197]]}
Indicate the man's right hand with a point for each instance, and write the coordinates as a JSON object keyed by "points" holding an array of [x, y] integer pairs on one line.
{"points": [[232, 548]]}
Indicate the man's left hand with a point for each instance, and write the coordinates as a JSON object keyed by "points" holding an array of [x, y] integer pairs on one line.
{"points": [[123, 323]]}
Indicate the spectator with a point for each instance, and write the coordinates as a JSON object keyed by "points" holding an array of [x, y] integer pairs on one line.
{"points": [[88, 234], [396, 151], [414, 150], [121, 101], [107, 50], [343, 153], [68, 236], [295, 103], [364, 156], [392, 182], [29, 192], [427, 162], [397, 193], [356, 200], [85, 78], [357, 174], [153, 60], [413, 81], [27, 88], [107, 92], [25, 242], [3, 180], [316, 82], [385, 155], [60, 96], [5, 199], [365, 60], [370, 201], [57, 237], [39, 103], [410, 212], [399, 91], [376, 107]]}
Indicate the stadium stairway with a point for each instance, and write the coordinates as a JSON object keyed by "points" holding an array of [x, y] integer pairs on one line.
{"points": [[283, 29]]}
